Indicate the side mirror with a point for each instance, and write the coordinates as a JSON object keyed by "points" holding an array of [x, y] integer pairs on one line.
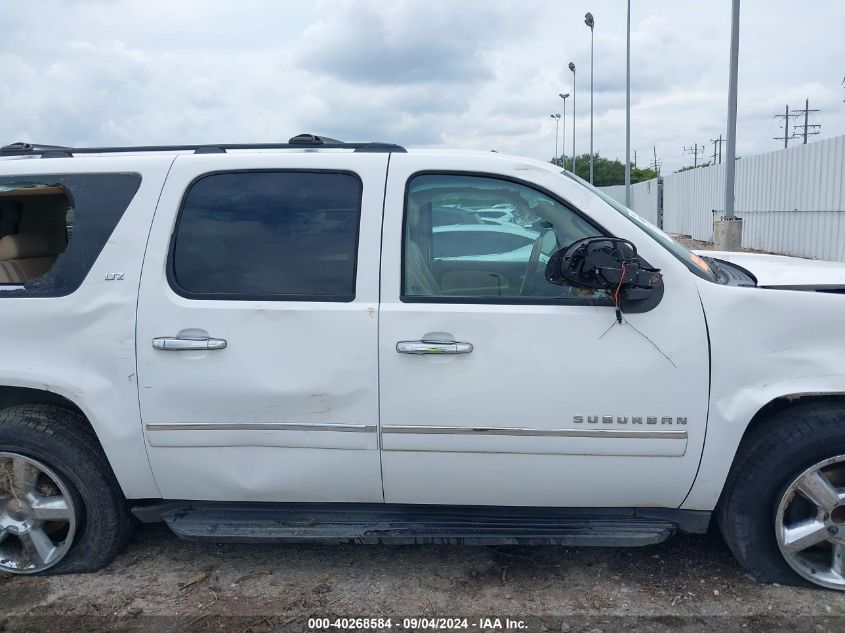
{"points": [[603, 263]]}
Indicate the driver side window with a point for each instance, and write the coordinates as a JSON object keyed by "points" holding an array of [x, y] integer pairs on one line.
{"points": [[480, 237]]}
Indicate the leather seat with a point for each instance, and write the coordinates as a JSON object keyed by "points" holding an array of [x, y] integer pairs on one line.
{"points": [[418, 277], [38, 236], [26, 256]]}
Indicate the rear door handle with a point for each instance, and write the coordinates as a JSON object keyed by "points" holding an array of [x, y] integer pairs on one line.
{"points": [[176, 344], [433, 347]]}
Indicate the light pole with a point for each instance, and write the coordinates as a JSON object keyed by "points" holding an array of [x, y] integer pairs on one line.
{"points": [[628, 113], [556, 117], [563, 136], [589, 21], [732, 89], [572, 68]]}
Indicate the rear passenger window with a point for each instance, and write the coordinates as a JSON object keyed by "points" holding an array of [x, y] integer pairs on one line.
{"points": [[268, 235]]}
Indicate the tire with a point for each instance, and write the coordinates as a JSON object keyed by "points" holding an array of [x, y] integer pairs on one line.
{"points": [[61, 442], [774, 454]]}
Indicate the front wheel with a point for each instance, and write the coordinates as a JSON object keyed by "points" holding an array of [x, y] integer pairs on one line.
{"points": [[783, 509]]}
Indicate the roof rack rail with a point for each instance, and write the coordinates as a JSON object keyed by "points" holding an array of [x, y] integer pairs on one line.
{"points": [[46, 151], [297, 142]]}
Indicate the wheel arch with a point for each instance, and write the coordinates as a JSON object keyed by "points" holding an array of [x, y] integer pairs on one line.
{"points": [[787, 402], [134, 473], [11, 396], [723, 448]]}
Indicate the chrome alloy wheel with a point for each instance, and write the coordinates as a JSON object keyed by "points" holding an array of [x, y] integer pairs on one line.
{"points": [[810, 523], [37, 516]]}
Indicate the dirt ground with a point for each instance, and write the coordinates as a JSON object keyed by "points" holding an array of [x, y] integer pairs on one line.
{"points": [[161, 583]]}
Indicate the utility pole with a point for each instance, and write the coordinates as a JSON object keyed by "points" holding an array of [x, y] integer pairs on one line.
{"points": [[628, 111], [572, 68], [556, 118], [655, 165], [635, 159], [563, 139], [727, 232], [786, 135], [717, 143], [809, 129], [590, 21], [695, 150]]}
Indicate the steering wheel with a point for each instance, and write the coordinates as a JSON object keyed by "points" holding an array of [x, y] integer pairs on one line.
{"points": [[533, 261]]}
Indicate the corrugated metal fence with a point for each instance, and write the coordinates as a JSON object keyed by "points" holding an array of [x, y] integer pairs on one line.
{"points": [[792, 201], [645, 198]]}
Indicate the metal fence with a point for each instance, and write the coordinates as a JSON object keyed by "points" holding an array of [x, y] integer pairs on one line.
{"points": [[792, 201], [645, 198]]}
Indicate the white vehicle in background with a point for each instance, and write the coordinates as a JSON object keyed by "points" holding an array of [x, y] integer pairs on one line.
{"points": [[500, 213], [261, 342], [493, 242]]}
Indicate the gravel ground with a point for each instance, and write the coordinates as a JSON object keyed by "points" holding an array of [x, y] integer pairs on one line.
{"points": [[161, 583]]}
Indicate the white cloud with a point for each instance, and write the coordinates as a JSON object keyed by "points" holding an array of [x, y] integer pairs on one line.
{"points": [[420, 72]]}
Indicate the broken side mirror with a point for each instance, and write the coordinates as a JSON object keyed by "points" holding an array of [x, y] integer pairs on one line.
{"points": [[603, 263]]}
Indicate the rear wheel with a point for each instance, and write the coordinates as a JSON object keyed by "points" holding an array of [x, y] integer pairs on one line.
{"points": [[783, 509], [38, 515], [61, 509]]}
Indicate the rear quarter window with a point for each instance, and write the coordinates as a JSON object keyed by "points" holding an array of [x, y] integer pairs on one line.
{"points": [[54, 227]]}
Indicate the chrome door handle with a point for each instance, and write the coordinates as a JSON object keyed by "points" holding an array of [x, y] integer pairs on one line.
{"points": [[433, 347], [175, 344]]}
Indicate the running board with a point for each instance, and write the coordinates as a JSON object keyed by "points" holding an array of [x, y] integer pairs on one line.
{"points": [[421, 524]]}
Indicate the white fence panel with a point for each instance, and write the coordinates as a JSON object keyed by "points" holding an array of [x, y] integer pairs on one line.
{"points": [[689, 199], [645, 200], [792, 201]]}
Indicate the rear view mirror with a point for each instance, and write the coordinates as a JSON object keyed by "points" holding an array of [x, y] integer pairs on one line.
{"points": [[602, 263]]}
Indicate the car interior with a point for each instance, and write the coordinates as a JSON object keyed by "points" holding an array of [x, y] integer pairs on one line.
{"points": [[33, 230], [512, 273]]}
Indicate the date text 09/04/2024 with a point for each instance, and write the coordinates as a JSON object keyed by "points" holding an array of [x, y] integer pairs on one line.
{"points": [[425, 623]]}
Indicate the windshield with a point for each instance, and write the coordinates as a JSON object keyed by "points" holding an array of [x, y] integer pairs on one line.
{"points": [[696, 264]]}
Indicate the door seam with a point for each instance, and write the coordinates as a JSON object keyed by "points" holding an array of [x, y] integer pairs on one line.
{"points": [[137, 306], [378, 329]]}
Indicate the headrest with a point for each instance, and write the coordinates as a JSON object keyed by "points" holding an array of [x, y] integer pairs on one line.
{"points": [[25, 245], [413, 213], [10, 218]]}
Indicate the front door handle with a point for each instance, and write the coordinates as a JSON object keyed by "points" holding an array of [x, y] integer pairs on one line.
{"points": [[433, 347], [176, 344]]}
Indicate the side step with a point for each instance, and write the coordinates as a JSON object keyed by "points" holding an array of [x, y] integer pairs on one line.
{"points": [[416, 524]]}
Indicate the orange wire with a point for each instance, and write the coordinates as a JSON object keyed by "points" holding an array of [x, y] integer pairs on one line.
{"points": [[619, 287]]}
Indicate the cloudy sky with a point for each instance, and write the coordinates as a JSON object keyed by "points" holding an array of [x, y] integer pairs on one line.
{"points": [[424, 73]]}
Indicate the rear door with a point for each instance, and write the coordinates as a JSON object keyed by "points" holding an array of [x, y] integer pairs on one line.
{"points": [[257, 329]]}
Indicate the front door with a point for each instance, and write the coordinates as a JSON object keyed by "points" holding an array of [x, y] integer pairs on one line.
{"points": [[257, 329], [499, 388]]}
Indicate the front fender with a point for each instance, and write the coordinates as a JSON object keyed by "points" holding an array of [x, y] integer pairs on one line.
{"points": [[765, 345]]}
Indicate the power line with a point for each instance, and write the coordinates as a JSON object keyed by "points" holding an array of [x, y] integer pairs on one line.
{"points": [[786, 135], [717, 142], [695, 150], [810, 129], [656, 164]]}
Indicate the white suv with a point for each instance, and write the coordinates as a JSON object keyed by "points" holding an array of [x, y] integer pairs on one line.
{"points": [[258, 342]]}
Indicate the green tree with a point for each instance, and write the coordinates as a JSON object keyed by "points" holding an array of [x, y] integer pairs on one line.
{"points": [[688, 167], [606, 172]]}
